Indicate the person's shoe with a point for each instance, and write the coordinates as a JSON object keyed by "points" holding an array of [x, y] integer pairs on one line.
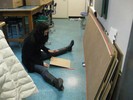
{"points": [[61, 88], [71, 45], [59, 84]]}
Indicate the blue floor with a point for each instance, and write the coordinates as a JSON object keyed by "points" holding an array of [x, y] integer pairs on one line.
{"points": [[74, 80]]}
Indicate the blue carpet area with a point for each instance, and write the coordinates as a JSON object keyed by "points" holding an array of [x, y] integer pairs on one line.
{"points": [[61, 34]]}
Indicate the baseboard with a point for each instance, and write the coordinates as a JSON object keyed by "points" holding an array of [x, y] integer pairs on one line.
{"points": [[75, 17]]}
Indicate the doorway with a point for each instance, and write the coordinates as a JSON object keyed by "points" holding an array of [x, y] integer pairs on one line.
{"points": [[61, 9]]}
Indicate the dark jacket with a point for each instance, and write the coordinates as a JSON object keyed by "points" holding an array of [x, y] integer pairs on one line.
{"points": [[31, 52]]}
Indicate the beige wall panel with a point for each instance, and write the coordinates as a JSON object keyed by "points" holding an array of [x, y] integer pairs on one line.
{"points": [[98, 55]]}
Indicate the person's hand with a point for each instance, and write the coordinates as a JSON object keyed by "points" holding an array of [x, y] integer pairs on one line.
{"points": [[45, 65], [53, 51]]}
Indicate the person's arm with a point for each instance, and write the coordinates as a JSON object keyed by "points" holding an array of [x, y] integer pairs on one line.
{"points": [[36, 60], [53, 51], [31, 54], [45, 49]]}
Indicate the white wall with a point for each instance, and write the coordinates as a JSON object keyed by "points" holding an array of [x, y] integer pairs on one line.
{"points": [[66, 8], [61, 9], [75, 7], [120, 16]]}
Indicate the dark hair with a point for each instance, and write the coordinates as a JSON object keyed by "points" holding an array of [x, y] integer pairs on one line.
{"points": [[40, 27], [37, 34]]}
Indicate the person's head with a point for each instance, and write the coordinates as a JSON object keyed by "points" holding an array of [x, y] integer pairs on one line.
{"points": [[41, 32]]}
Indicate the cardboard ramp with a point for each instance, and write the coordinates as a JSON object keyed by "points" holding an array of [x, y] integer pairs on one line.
{"points": [[60, 62]]}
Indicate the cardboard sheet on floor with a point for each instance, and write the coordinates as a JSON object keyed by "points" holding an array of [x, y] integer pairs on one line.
{"points": [[60, 62]]}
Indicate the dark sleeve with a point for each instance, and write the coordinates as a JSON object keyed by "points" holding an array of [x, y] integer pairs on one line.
{"points": [[35, 59], [45, 49], [31, 54]]}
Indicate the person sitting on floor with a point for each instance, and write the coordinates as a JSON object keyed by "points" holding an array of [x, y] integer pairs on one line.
{"points": [[34, 52]]}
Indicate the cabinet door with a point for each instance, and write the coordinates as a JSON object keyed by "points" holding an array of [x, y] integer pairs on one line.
{"points": [[76, 7], [61, 9]]}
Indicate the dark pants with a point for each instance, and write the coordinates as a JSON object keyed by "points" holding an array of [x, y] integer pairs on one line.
{"points": [[43, 70]]}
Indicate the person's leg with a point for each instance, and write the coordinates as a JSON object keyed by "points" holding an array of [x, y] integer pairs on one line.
{"points": [[64, 50], [49, 78], [60, 51]]}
